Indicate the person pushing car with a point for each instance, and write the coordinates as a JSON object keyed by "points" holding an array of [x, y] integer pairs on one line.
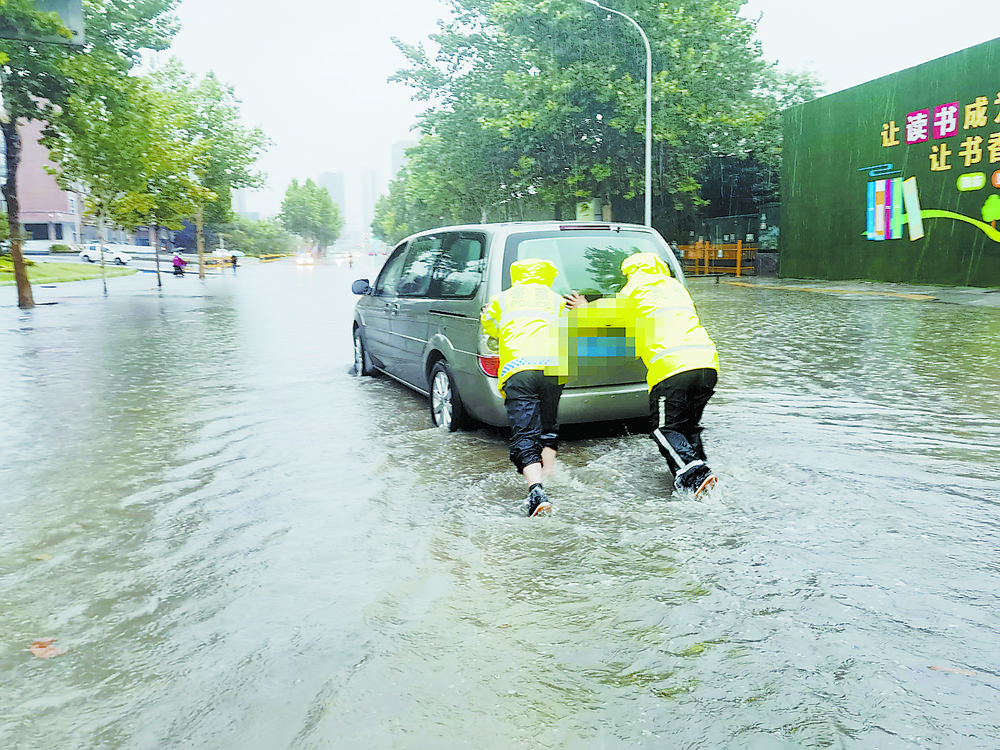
{"points": [[525, 319], [682, 366]]}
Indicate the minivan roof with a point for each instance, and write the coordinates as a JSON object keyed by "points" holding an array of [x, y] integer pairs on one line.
{"points": [[550, 225]]}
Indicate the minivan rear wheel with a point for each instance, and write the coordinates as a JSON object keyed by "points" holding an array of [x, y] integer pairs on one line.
{"points": [[447, 409]]}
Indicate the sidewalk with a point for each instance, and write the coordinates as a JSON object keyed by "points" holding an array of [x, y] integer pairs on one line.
{"points": [[955, 295]]}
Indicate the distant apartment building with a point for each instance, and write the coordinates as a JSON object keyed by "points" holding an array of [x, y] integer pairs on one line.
{"points": [[334, 184], [240, 206], [46, 211], [370, 191], [398, 156]]}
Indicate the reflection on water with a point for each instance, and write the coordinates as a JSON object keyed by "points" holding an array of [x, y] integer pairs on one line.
{"points": [[241, 545]]}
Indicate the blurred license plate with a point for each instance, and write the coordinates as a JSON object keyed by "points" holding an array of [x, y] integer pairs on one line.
{"points": [[588, 347]]}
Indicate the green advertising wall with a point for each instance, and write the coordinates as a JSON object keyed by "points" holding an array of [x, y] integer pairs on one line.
{"points": [[898, 179]]}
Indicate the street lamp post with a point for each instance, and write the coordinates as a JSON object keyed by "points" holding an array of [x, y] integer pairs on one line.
{"points": [[649, 108]]}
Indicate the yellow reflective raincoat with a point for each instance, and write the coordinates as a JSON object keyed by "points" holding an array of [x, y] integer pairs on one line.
{"points": [[669, 337], [525, 319]]}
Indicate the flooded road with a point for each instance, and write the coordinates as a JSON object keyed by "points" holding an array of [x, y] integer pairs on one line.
{"points": [[239, 544]]}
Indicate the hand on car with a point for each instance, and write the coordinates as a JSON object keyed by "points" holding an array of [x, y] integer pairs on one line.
{"points": [[574, 299]]}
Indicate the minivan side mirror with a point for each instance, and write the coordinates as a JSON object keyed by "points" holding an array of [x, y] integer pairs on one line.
{"points": [[360, 286]]}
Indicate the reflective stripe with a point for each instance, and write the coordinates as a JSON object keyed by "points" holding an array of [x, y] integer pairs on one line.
{"points": [[662, 440], [684, 468], [529, 363], [658, 432]]}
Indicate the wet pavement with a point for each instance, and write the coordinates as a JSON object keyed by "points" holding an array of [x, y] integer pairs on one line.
{"points": [[967, 295], [240, 544]]}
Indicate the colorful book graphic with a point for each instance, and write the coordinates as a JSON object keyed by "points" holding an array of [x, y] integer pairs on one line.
{"points": [[885, 209], [912, 202], [893, 203]]}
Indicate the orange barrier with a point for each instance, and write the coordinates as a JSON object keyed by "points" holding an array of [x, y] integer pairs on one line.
{"points": [[704, 259]]}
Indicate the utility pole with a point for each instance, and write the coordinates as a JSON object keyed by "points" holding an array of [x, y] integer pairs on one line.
{"points": [[199, 221]]}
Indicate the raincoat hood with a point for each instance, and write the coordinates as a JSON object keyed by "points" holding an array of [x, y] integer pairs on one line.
{"points": [[650, 263], [532, 271]]}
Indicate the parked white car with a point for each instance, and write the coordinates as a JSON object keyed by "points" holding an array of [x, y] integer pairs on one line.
{"points": [[112, 254]]}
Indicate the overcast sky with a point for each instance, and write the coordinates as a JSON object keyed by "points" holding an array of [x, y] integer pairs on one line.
{"points": [[312, 73]]}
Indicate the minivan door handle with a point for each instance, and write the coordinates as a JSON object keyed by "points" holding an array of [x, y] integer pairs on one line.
{"points": [[395, 308]]}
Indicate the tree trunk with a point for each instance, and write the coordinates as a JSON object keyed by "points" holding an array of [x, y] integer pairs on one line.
{"points": [[12, 142]]}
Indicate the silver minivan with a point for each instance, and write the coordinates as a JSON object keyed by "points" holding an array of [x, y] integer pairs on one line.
{"points": [[419, 321]]}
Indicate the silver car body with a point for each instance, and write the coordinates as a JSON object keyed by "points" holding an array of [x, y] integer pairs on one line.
{"points": [[424, 306]]}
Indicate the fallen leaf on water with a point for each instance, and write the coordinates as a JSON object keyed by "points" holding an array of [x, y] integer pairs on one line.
{"points": [[45, 648], [953, 670]]}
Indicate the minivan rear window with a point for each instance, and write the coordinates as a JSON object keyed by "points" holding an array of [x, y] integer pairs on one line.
{"points": [[588, 262]]}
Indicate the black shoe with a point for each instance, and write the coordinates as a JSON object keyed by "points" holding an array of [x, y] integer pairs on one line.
{"points": [[692, 476], [538, 503]]}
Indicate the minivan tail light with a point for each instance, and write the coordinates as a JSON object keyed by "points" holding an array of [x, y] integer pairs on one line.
{"points": [[489, 365]]}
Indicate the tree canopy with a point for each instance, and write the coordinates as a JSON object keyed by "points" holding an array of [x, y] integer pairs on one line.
{"points": [[211, 115], [32, 74], [98, 135], [542, 102], [309, 212], [259, 237]]}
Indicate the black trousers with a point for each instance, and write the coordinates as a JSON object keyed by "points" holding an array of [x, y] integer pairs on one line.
{"points": [[675, 408], [532, 403]]}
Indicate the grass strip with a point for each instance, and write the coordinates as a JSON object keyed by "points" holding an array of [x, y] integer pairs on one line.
{"points": [[52, 273]]}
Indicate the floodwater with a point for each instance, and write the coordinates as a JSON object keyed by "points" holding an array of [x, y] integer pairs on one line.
{"points": [[239, 544]]}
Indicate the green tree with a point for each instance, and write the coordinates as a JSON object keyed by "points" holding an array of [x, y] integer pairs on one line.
{"points": [[401, 211], [308, 211], [32, 73], [562, 84], [259, 237], [97, 137], [461, 170], [231, 149], [171, 185], [29, 74]]}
